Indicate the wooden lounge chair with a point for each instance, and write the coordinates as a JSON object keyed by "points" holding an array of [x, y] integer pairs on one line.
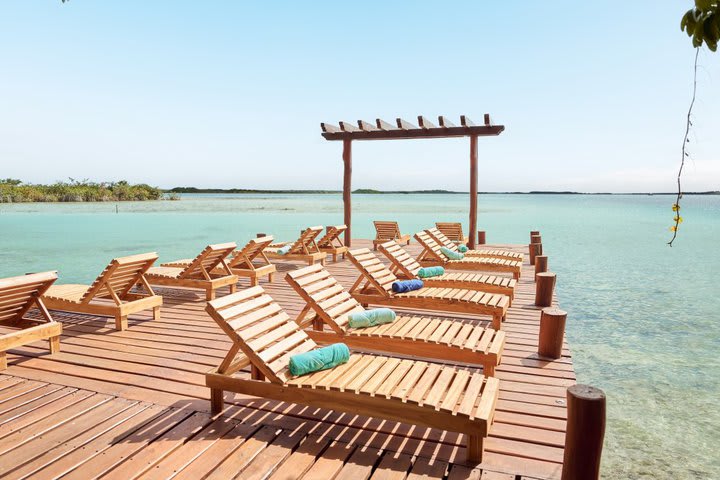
{"points": [[304, 248], [431, 255], [208, 271], [414, 335], [403, 390], [385, 231], [17, 296], [331, 243], [446, 241], [250, 261], [406, 267], [110, 294], [454, 231], [374, 286]]}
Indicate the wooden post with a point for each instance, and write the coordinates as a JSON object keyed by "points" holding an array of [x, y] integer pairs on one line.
{"points": [[258, 235], [584, 434], [544, 286], [552, 332], [537, 238], [541, 264], [473, 189], [481, 237], [534, 249], [347, 188], [533, 232]]}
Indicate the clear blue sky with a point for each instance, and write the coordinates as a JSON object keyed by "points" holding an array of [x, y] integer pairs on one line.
{"points": [[231, 94]]}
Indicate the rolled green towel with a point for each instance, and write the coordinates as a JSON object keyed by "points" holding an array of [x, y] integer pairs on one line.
{"points": [[371, 318], [462, 248], [451, 255], [427, 272], [319, 359], [284, 250]]}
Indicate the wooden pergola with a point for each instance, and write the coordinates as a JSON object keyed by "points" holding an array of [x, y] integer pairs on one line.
{"points": [[382, 130]]}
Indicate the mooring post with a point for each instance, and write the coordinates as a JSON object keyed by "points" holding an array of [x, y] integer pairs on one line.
{"points": [[258, 235], [541, 264], [544, 286], [481, 237], [534, 249], [552, 332], [584, 433], [533, 232]]}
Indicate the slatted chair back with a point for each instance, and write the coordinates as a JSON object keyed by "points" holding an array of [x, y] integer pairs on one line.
{"points": [[452, 230], [261, 329], [373, 270], [324, 295], [401, 260], [332, 235], [387, 230], [251, 251], [119, 277], [431, 248], [442, 239], [19, 294], [211, 257], [306, 241]]}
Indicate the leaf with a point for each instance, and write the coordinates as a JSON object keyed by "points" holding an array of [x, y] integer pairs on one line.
{"points": [[704, 5]]}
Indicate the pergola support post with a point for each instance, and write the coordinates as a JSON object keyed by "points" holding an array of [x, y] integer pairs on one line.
{"points": [[347, 188], [473, 189]]}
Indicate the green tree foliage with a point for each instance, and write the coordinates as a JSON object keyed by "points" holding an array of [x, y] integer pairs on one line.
{"points": [[702, 23], [15, 191]]}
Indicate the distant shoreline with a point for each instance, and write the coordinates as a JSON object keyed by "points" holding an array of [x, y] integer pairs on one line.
{"points": [[367, 191]]}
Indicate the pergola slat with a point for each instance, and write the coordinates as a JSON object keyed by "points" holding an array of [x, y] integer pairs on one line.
{"points": [[466, 122], [444, 122], [366, 126], [405, 125], [425, 123], [329, 128], [348, 127], [383, 125]]}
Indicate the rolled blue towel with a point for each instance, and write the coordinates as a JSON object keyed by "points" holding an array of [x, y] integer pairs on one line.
{"points": [[371, 318], [319, 359], [407, 286], [284, 250], [451, 255], [426, 272], [462, 248]]}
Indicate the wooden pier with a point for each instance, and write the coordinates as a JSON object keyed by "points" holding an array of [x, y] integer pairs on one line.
{"points": [[133, 404]]}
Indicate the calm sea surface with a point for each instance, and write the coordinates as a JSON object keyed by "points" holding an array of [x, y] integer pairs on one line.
{"points": [[644, 319]]}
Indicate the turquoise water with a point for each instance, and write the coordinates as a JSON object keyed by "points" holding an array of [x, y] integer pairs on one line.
{"points": [[643, 318]]}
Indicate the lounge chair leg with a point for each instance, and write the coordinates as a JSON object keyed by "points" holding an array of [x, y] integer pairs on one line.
{"points": [[317, 324], [334, 257], [210, 294], [255, 373], [253, 281], [121, 322], [270, 277], [3, 360], [233, 288], [474, 448], [54, 344], [217, 403], [156, 313], [489, 370]]}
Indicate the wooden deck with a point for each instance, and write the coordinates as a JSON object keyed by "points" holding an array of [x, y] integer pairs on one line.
{"points": [[133, 404]]}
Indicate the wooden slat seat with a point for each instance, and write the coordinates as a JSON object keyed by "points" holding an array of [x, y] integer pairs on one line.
{"points": [[208, 271], [305, 248], [431, 255], [331, 243], [447, 241], [416, 335], [453, 231], [385, 231], [112, 291], [250, 261], [415, 392], [374, 286], [17, 296], [405, 266]]}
